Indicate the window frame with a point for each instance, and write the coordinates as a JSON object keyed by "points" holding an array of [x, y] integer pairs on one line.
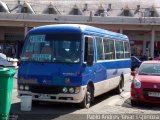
{"points": [[102, 45], [128, 51], [119, 52], [111, 53], [88, 36]]}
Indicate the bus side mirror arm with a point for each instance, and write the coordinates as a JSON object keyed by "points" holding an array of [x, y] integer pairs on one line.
{"points": [[90, 60]]}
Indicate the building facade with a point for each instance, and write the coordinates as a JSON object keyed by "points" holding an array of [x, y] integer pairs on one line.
{"points": [[138, 19]]}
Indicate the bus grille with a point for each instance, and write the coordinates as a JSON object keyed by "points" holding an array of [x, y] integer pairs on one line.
{"points": [[46, 89]]}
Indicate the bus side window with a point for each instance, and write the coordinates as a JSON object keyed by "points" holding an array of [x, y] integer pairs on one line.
{"points": [[88, 48], [99, 48]]}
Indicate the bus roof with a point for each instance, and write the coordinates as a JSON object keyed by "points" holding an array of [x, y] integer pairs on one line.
{"points": [[86, 29]]}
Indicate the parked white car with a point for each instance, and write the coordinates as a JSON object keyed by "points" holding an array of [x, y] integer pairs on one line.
{"points": [[4, 61]]}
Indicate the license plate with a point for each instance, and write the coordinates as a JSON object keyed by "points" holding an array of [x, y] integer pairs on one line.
{"points": [[43, 96], [154, 94]]}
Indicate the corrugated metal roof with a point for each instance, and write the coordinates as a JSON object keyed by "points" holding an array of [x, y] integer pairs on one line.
{"points": [[64, 7]]}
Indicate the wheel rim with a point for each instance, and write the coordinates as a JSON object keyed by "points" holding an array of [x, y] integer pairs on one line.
{"points": [[88, 99], [120, 89], [121, 85]]}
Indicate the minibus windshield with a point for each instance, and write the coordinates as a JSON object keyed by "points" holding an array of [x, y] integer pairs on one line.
{"points": [[54, 47]]}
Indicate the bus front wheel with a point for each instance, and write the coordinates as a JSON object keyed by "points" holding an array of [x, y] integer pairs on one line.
{"points": [[86, 103]]}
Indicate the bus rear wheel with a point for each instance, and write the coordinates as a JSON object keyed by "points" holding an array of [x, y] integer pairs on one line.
{"points": [[118, 89], [86, 103]]}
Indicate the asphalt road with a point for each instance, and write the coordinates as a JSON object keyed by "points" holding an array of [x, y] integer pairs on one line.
{"points": [[105, 106]]}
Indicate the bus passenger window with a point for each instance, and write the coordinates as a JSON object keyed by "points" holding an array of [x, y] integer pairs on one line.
{"points": [[119, 50], [99, 48], [109, 49], [126, 50]]}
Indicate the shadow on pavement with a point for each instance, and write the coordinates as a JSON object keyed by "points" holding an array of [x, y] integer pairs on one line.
{"points": [[103, 97], [50, 110], [141, 106], [43, 111]]}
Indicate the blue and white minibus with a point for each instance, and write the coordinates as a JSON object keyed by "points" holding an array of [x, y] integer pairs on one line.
{"points": [[73, 63]]}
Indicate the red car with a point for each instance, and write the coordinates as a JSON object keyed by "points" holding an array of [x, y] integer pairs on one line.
{"points": [[145, 86]]}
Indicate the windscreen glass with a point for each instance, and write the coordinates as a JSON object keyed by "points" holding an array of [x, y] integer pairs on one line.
{"points": [[59, 47]]}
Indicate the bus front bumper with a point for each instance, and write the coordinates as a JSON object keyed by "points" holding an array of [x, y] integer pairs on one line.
{"points": [[61, 97]]}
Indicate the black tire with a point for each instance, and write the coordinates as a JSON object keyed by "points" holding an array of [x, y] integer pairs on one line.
{"points": [[133, 103], [35, 102], [118, 89], [86, 103]]}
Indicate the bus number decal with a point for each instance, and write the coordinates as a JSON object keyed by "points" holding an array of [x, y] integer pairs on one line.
{"points": [[37, 38], [41, 57]]}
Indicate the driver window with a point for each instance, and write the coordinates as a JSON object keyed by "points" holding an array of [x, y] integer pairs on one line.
{"points": [[88, 47]]}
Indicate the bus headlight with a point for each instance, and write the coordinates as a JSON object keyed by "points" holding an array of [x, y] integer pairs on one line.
{"points": [[71, 90], [26, 87], [77, 89], [137, 83], [65, 90], [21, 87]]}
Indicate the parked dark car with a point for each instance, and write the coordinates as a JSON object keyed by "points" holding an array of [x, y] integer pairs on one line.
{"points": [[135, 62], [157, 58]]}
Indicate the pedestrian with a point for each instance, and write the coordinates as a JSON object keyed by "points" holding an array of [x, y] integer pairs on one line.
{"points": [[144, 57], [13, 52]]}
